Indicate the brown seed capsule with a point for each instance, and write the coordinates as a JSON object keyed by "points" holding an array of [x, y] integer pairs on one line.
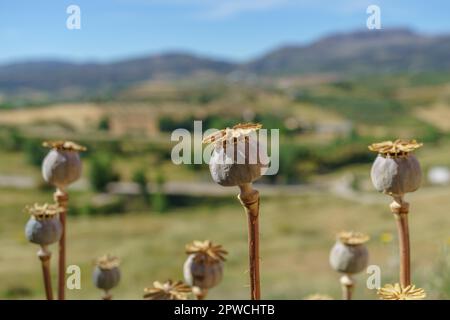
{"points": [[62, 165], [204, 266], [44, 227], [396, 170], [349, 255], [236, 158], [106, 273]]}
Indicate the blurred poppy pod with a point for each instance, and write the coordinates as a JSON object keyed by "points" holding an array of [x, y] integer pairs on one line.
{"points": [[106, 273], [396, 170], [167, 291], [237, 157], [44, 227], [62, 165], [349, 255], [204, 265]]}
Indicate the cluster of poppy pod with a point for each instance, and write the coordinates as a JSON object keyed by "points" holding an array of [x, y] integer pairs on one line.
{"points": [[395, 172]]}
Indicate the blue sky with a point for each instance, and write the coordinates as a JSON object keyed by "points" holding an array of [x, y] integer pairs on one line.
{"points": [[232, 29]]}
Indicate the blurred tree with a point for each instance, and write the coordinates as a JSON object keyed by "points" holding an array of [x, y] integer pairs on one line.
{"points": [[102, 171], [12, 140], [140, 178], [34, 152], [159, 198], [103, 124]]}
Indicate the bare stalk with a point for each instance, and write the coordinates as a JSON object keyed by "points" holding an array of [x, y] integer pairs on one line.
{"points": [[249, 199], [45, 255], [62, 198], [400, 209], [348, 285], [200, 293], [106, 295]]}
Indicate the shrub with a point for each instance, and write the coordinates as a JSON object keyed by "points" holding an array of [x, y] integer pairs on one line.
{"points": [[34, 152], [102, 172]]}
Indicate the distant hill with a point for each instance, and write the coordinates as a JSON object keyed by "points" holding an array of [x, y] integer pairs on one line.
{"points": [[381, 51], [59, 75], [360, 52]]}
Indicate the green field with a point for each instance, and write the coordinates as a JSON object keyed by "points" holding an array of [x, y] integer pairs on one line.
{"points": [[297, 231]]}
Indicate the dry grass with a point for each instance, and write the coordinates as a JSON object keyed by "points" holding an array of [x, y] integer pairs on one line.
{"points": [[437, 115], [296, 236], [78, 115]]}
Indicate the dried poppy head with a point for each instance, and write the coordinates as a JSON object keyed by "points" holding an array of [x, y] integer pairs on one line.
{"points": [[397, 148], [62, 165], [237, 158], [43, 212], [206, 251], [204, 265], [43, 227], [167, 291], [397, 292], [107, 262], [396, 170], [64, 145], [349, 255], [106, 274], [352, 238]]}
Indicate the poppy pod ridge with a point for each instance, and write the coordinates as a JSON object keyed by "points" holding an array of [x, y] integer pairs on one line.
{"points": [[44, 228], [203, 268], [395, 172], [349, 256], [61, 167], [106, 274], [168, 290], [237, 161], [397, 292]]}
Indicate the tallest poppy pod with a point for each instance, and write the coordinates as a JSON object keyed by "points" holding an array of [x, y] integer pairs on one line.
{"points": [[395, 172], [237, 161], [61, 167]]}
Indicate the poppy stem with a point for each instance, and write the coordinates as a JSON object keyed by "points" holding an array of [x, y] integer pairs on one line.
{"points": [[400, 209], [45, 255], [62, 198], [200, 294], [107, 295], [249, 199], [348, 284]]}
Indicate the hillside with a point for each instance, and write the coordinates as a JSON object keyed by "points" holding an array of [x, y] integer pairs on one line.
{"points": [[359, 52]]}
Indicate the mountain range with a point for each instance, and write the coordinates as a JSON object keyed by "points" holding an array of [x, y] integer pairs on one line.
{"points": [[358, 52]]}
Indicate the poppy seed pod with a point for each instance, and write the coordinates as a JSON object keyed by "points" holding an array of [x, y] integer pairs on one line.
{"points": [[106, 273], [396, 170], [349, 255], [168, 290], [236, 159], [62, 165], [204, 265], [44, 227]]}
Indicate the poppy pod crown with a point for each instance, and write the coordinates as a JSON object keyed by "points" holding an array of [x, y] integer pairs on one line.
{"points": [[398, 148], [206, 251], [397, 292], [352, 238], [167, 291], [43, 212], [107, 262], [237, 133], [396, 171], [64, 146]]}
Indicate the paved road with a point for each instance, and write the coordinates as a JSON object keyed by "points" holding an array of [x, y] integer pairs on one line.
{"points": [[340, 187]]}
